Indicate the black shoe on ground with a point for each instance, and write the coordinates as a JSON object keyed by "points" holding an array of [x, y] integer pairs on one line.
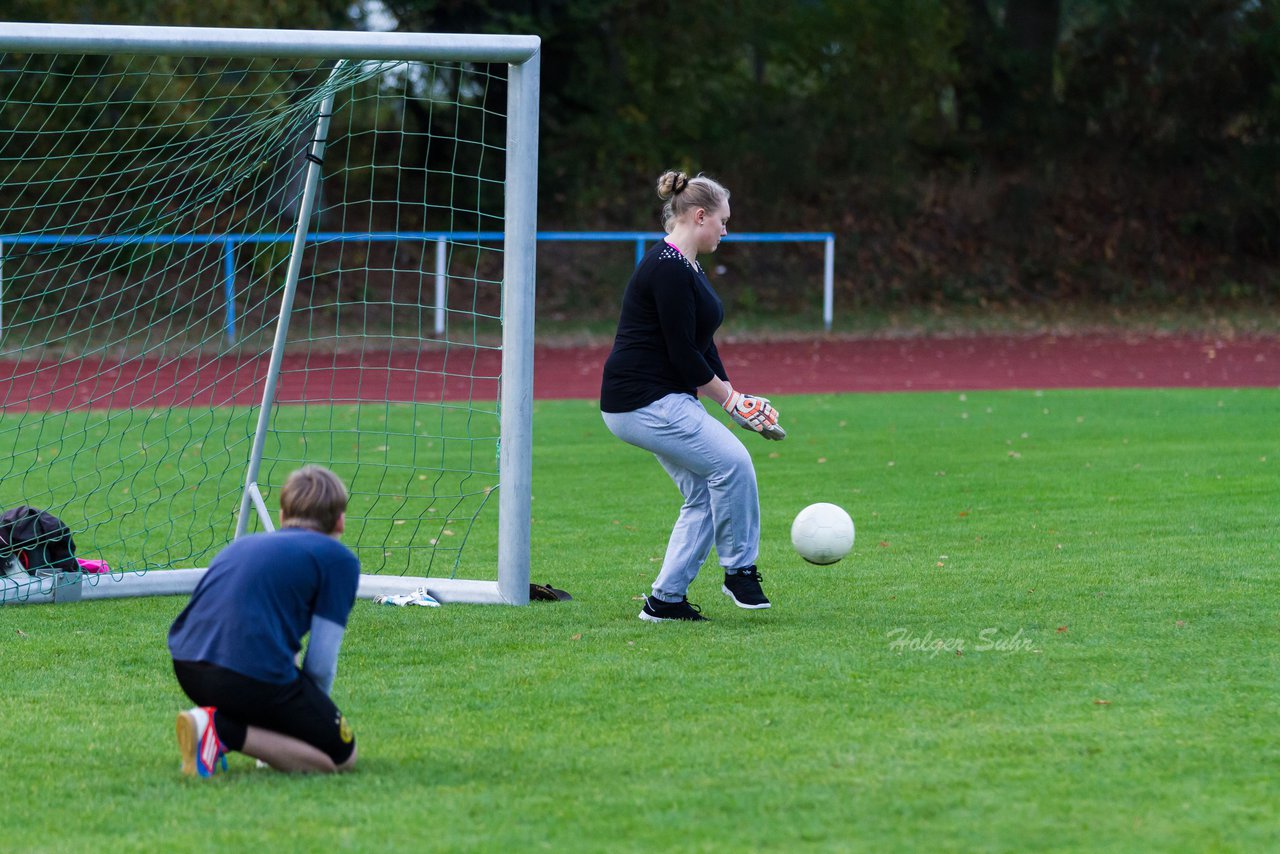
{"points": [[657, 611], [743, 587]]}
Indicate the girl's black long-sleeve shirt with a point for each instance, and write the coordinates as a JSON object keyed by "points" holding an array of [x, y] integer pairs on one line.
{"points": [[664, 343]]}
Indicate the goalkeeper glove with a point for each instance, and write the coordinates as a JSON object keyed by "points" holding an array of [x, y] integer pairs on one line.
{"points": [[754, 413]]}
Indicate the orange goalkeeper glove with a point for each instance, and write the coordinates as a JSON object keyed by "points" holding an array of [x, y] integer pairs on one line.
{"points": [[755, 414]]}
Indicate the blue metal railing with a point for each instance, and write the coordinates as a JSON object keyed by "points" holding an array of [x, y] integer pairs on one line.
{"points": [[441, 239]]}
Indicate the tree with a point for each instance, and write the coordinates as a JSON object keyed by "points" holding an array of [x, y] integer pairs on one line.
{"points": [[281, 14], [1005, 71]]}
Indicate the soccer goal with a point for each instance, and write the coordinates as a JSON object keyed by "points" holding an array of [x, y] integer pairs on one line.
{"points": [[226, 253]]}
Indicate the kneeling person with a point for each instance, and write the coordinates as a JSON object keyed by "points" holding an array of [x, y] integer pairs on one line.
{"points": [[235, 645]]}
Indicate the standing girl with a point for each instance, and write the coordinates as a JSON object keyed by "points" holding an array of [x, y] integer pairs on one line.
{"points": [[664, 356]]}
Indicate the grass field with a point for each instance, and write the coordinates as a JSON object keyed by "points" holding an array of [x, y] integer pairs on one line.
{"points": [[152, 488], [1056, 631]]}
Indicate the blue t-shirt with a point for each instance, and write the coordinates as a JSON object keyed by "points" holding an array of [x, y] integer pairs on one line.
{"points": [[252, 607]]}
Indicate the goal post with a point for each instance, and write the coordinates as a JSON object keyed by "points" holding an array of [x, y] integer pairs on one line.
{"points": [[148, 171]]}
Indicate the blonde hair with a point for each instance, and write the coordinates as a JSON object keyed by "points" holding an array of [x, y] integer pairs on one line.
{"points": [[312, 497], [682, 194]]}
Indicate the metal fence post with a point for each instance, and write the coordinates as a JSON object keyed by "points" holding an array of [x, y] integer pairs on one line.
{"points": [[441, 277], [229, 285], [828, 283]]}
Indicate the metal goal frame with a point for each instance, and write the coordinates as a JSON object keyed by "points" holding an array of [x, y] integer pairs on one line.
{"points": [[522, 57]]}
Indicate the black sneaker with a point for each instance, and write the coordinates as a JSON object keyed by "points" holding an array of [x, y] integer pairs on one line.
{"points": [[743, 587], [657, 611]]}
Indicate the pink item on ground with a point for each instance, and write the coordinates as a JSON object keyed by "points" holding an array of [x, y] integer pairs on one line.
{"points": [[94, 566]]}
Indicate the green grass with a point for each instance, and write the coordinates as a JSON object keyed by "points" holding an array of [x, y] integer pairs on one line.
{"points": [[160, 488], [1126, 541]]}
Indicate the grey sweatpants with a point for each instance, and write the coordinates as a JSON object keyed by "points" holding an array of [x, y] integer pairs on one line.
{"points": [[714, 473]]}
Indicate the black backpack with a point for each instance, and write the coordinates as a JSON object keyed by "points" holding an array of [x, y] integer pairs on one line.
{"points": [[38, 539]]}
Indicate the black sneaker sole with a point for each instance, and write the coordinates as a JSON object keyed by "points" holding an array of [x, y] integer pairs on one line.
{"points": [[726, 591], [650, 617]]}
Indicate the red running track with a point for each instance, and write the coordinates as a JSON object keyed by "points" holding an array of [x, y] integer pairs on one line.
{"points": [[1042, 362], [777, 367]]}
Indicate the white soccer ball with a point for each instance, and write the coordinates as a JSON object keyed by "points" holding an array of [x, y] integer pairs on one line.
{"points": [[822, 533]]}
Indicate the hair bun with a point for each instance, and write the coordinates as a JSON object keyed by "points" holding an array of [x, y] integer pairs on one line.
{"points": [[671, 183]]}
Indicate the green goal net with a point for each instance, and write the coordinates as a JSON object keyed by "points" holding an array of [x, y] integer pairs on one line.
{"points": [[215, 268]]}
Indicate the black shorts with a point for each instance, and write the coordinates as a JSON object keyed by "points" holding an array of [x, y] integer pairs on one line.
{"points": [[298, 708]]}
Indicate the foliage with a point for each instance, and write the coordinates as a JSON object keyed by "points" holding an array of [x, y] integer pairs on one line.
{"points": [[971, 150], [280, 14], [979, 150], [1191, 89], [790, 100]]}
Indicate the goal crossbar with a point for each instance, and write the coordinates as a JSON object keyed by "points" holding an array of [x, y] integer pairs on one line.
{"points": [[308, 44]]}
